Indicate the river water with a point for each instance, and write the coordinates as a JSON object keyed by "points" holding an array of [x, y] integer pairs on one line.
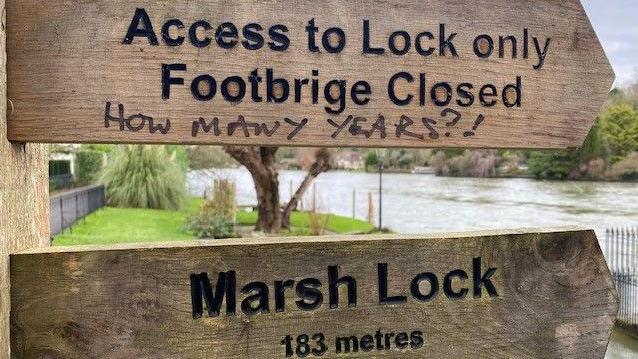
{"points": [[426, 204]]}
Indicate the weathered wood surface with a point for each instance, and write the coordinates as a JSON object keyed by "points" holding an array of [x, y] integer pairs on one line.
{"points": [[24, 205], [554, 297], [62, 73]]}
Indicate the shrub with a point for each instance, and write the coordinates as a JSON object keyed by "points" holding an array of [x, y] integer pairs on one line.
{"points": [[216, 217], [143, 176], [317, 223], [619, 125], [555, 165], [88, 165], [626, 169], [204, 225], [371, 159], [223, 202]]}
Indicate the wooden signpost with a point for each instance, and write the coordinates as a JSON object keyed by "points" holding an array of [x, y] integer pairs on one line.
{"points": [[439, 73], [509, 295]]}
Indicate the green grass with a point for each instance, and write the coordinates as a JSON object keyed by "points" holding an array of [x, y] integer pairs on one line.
{"points": [[129, 225], [336, 224]]}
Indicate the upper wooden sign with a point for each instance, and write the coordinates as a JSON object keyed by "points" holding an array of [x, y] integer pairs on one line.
{"points": [[496, 295], [439, 73]]}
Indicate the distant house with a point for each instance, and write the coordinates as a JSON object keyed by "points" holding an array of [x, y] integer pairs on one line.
{"points": [[349, 160], [62, 165]]}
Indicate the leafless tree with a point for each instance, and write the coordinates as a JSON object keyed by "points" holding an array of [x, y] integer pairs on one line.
{"points": [[262, 165]]}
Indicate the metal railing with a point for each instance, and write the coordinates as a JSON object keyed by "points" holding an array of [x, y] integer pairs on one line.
{"points": [[621, 251], [69, 207]]}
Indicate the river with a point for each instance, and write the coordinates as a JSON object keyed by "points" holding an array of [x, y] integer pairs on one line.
{"points": [[426, 204]]}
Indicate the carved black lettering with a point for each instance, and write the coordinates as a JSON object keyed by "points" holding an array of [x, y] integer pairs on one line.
{"points": [[448, 282], [140, 18], [201, 290], [257, 301], [166, 32], [168, 80], [334, 281], [337, 33], [382, 273], [310, 297], [192, 33], [483, 280]]}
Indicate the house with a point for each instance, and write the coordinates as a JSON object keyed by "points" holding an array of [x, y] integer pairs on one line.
{"points": [[62, 165]]}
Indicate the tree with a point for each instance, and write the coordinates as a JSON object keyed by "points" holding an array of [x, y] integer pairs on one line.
{"points": [[619, 125], [262, 165], [556, 165], [371, 159]]}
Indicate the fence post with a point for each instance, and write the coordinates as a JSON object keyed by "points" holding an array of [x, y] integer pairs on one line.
{"points": [[354, 203], [314, 198], [24, 202]]}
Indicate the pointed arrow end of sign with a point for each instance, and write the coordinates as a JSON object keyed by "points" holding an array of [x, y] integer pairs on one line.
{"points": [[597, 76]]}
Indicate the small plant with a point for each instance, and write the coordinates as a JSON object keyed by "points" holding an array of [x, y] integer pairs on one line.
{"points": [[318, 223], [203, 225], [216, 217], [223, 200]]}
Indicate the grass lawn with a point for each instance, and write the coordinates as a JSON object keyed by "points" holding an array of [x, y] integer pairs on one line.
{"points": [[128, 225]]}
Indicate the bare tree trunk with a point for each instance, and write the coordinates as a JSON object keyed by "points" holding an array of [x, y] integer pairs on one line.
{"points": [[321, 164], [260, 162]]}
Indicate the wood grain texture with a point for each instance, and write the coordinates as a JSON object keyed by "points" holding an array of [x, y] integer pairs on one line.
{"points": [[555, 297], [67, 59], [24, 200]]}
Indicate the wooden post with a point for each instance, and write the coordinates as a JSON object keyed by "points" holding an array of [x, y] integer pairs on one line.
{"points": [[354, 204], [314, 198], [24, 205]]}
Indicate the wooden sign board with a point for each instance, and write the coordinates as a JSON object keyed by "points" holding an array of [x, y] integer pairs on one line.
{"points": [[541, 295], [501, 73]]}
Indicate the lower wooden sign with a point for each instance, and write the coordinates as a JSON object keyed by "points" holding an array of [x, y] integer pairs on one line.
{"points": [[505, 294]]}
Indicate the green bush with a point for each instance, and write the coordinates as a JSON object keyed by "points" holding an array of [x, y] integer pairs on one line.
{"points": [[203, 226], [556, 165], [88, 165], [216, 217], [144, 176], [626, 169], [619, 126], [371, 159]]}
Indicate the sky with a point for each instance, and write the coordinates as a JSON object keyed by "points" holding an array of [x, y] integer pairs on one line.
{"points": [[616, 22]]}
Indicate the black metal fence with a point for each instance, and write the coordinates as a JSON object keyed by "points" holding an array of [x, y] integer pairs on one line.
{"points": [[621, 251], [69, 207]]}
